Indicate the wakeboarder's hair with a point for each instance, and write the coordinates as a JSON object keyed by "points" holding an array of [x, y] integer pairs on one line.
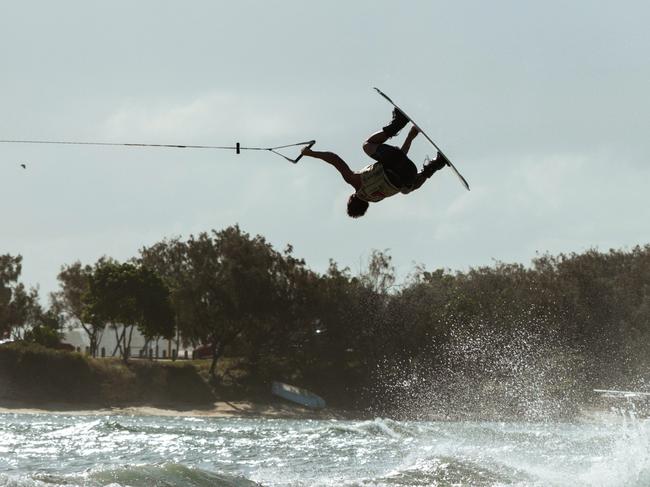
{"points": [[356, 206]]}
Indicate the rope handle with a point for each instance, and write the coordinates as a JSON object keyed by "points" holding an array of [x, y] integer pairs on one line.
{"points": [[309, 146]]}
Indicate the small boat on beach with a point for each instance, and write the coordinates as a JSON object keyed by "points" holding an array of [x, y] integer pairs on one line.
{"points": [[297, 395]]}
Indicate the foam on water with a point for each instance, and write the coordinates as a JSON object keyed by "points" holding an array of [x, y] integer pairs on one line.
{"points": [[628, 460], [129, 451]]}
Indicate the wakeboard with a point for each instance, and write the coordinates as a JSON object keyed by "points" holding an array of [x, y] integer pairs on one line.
{"points": [[449, 163]]}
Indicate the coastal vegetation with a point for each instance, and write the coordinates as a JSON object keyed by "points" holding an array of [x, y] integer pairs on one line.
{"points": [[37, 375], [529, 339]]}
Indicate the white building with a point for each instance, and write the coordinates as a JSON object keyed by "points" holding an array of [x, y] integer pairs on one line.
{"points": [[108, 339]]}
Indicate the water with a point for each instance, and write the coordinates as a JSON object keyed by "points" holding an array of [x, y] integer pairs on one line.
{"points": [[45, 450]]}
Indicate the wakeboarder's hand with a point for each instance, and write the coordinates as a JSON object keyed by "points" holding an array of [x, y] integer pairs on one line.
{"points": [[413, 132]]}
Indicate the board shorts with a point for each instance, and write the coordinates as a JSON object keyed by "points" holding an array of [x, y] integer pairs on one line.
{"points": [[399, 169]]}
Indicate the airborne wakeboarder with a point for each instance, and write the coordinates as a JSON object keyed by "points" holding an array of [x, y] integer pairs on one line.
{"points": [[392, 173]]}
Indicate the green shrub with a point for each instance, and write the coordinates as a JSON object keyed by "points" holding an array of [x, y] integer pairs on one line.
{"points": [[43, 374], [33, 373], [43, 335]]}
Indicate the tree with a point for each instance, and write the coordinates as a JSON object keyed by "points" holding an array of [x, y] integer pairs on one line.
{"points": [[132, 296], [224, 285], [19, 306], [10, 268], [43, 335], [74, 280], [167, 260], [379, 275]]}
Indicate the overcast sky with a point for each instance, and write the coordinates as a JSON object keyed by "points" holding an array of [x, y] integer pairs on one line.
{"points": [[543, 106]]}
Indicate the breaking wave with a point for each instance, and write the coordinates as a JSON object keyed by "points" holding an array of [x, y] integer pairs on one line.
{"points": [[166, 475]]}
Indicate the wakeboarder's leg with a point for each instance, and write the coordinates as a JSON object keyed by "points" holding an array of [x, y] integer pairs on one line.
{"points": [[391, 130]]}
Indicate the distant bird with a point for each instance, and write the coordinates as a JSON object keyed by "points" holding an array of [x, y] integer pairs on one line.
{"points": [[24, 166]]}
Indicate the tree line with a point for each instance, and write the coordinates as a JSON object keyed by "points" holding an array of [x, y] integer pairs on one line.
{"points": [[553, 329]]}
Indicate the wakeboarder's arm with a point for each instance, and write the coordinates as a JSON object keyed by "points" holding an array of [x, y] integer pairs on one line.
{"points": [[429, 168], [419, 180], [421, 176], [349, 176], [409, 138]]}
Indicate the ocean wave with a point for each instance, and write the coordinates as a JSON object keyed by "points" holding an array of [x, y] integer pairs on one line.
{"points": [[451, 471], [379, 427], [112, 426], [75, 430], [166, 475], [12, 481], [76, 452], [628, 460]]}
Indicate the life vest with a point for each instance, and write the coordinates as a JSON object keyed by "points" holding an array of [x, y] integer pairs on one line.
{"points": [[375, 185]]}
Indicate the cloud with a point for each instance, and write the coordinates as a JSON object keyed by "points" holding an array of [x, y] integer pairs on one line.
{"points": [[213, 118], [545, 202]]}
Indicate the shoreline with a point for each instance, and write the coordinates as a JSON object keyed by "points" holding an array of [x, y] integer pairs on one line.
{"points": [[219, 409], [256, 410]]}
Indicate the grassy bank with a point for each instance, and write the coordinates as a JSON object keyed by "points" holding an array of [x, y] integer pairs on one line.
{"points": [[32, 376], [38, 375]]}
